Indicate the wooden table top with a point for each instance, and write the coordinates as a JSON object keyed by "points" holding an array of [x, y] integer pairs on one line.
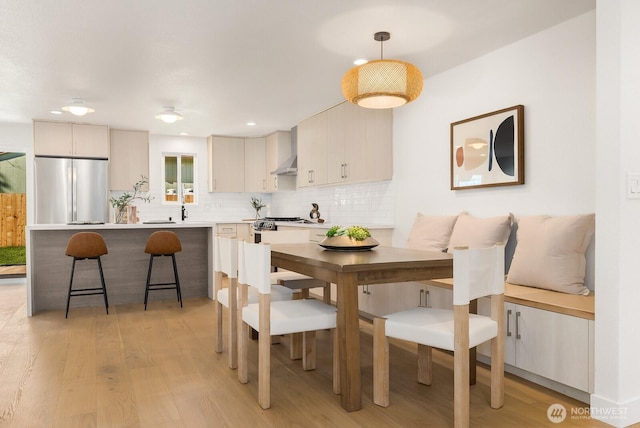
{"points": [[353, 261]]}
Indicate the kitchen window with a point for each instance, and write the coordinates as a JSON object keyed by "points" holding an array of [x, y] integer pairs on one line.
{"points": [[179, 178]]}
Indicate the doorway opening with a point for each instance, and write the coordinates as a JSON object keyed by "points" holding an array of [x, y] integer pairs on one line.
{"points": [[13, 214]]}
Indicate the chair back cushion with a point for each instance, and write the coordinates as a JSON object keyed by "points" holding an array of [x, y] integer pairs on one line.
{"points": [[163, 243], [300, 236], [254, 266], [84, 245], [226, 256], [477, 272]]}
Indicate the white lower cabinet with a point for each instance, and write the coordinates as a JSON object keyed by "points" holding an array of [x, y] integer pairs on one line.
{"points": [[555, 346], [382, 299]]}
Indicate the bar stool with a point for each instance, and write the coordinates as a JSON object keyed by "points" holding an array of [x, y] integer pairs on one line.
{"points": [[81, 246], [163, 243]]}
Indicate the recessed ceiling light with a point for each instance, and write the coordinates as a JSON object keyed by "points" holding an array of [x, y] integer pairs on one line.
{"points": [[184, 133], [55, 112], [360, 61], [251, 124]]}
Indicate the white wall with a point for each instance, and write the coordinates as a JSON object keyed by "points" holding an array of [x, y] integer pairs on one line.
{"points": [[617, 373], [552, 74]]}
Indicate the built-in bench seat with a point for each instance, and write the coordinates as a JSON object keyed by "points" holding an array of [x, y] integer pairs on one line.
{"points": [[554, 301]]}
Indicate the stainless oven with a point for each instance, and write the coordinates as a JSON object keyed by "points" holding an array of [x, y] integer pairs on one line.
{"points": [[271, 223]]}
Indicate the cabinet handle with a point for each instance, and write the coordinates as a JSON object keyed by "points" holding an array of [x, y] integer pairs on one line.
{"points": [[365, 289], [344, 170], [275, 183], [517, 325], [264, 184], [424, 297], [420, 305], [508, 318]]}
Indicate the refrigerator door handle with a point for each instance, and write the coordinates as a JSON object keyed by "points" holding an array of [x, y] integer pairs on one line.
{"points": [[74, 193]]}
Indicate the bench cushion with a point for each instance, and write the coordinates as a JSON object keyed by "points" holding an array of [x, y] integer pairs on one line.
{"points": [[431, 233], [474, 232], [550, 252]]}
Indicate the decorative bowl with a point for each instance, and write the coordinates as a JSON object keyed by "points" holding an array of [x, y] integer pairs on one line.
{"points": [[345, 243]]}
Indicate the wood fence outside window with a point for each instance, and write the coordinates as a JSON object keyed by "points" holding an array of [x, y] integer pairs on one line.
{"points": [[13, 219]]}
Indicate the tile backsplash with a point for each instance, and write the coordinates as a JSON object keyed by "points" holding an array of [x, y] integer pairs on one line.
{"points": [[368, 203]]}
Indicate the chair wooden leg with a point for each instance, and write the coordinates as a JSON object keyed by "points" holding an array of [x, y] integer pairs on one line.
{"points": [[336, 363], [264, 352], [497, 353], [309, 350], [217, 287], [461, 366], [295, 342], [425, 364], [243, 344], [380, 363], [233, 323]]}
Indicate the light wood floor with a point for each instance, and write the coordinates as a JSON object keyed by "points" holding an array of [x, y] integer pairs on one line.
{"points": [[158, 369]]}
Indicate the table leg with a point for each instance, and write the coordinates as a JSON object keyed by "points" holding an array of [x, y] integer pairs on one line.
{"points": [[349, 342], [473, 309]]}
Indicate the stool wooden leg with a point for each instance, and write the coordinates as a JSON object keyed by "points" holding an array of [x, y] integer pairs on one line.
{"points": [[104, 288], [146, 290], [73, 268]]}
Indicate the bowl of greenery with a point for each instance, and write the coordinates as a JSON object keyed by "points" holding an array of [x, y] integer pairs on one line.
{"points": [[353, 238]]}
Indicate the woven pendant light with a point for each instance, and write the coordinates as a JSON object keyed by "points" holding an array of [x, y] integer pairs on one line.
{"points": [[384, 83]]}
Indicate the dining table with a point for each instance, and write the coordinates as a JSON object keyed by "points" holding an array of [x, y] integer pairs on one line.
{"points": [[349, 268]]}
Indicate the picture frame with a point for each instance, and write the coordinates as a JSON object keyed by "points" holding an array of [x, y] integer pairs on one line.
{"points": [[488, 150]]}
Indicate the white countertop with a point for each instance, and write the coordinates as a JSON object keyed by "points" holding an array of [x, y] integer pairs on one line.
{"points": [[176, 225]]}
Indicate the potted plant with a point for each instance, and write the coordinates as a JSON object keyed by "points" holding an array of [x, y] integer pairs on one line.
{"points": [[121, 205], [257, 205]]}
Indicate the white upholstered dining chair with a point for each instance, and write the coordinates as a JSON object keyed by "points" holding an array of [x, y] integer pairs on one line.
{"points": [[294, 280], [269, 318], [226, 263], [476, 273]]}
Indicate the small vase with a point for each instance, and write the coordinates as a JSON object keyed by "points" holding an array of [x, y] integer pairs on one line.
{"points": [[121, 215]]}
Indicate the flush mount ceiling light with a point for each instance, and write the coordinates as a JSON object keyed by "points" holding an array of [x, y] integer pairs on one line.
{"points": [[78, 107], [383, 83], [169, 115]]}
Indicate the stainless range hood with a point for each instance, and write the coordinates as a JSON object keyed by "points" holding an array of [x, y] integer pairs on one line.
{"points": [[290, 166]]}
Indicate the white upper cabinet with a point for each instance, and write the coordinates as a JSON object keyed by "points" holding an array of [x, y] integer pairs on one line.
{"points": [[129, 158], [345, 144], [70, 140], [312, 151], [255, 174], [226, 164]]}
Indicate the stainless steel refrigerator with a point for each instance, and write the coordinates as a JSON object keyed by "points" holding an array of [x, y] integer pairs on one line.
{"points": [[71, 190]]}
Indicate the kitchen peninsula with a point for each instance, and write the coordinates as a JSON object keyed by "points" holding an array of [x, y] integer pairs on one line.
{"points": [[125, 266]]}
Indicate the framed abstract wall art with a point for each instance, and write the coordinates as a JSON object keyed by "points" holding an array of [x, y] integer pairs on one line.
{"points": [[488, 150]]}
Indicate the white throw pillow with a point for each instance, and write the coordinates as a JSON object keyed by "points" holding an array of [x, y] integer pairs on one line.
{"points": [[550, 252], [476, 232], [431, 233]]}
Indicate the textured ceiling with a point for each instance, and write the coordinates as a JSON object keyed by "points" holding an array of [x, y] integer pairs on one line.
{"points": [[223, 63]]}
